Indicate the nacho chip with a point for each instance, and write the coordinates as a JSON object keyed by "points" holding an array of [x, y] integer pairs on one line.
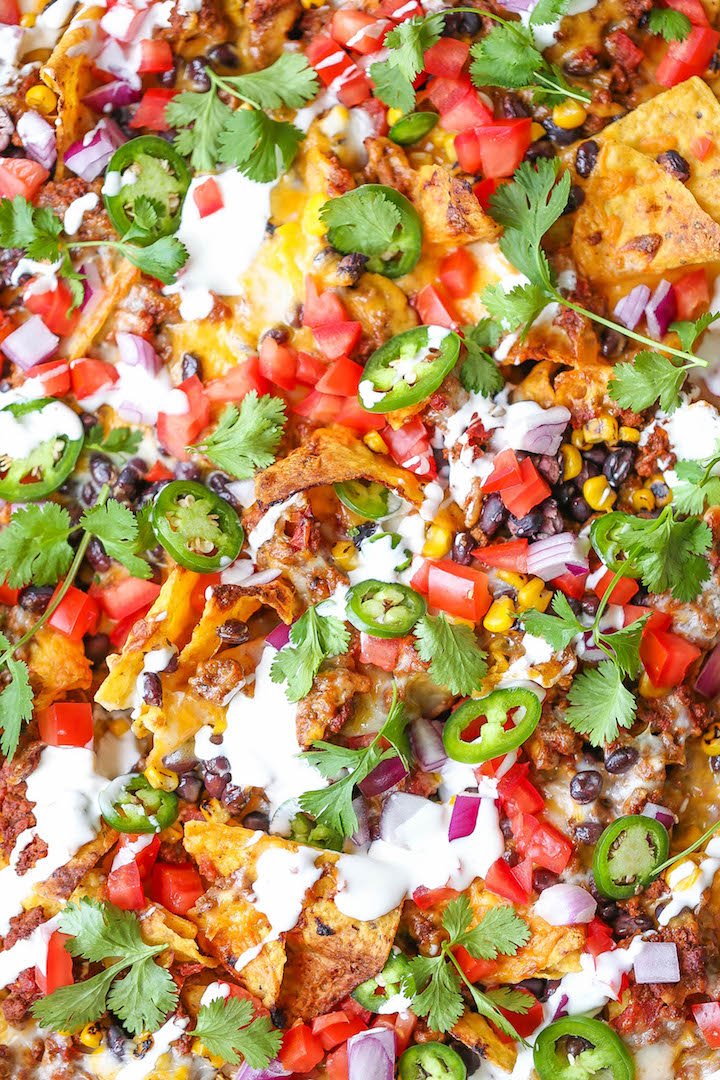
{"points": [[57, 666], [636, 219], [449, 210], [68, 72], [474, 1031], [120, 276]]}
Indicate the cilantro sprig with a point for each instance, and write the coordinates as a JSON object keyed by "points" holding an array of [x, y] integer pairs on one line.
{"points": [[669, 24], [440, 978], [479, 373], [227, 1029], [313, 639], [246, 439], [699, 485], [451, 649], [118, 442]]}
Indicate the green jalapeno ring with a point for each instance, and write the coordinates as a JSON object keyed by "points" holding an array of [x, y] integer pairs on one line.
{"points": [[408, 368], [162, 175], [54, 472], [429, 1060], [187, 517], [494, 739], [130, 804], [605, 539], [607, 1053], [383, 609], [366, 498], [412, 127], [627, 855], [395, 978]]}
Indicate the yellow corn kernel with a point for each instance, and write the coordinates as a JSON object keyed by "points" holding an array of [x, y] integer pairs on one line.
{"points": [[569, 114], [648, 689], [393, 115], [500, 616], [534, 595], [118, 726], [578, 439], [162, 779], [537, 131], [711, 741], [642, 499], [445, 142], [497, 649], [310, 4], [202, 1051], [438, 542], [572, 461], [91, 1036], [41, 97], [312, 223], [682, 876], [345, 555], [660, 489], [628, 434], [511, 578], [375, 442], [602, 428], [28, 19], [220, 725], [598, 494]]}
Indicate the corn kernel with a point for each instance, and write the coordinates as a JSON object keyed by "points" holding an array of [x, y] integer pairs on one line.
{"points": [[711, 740], [162, 779], [312, 223], [682, 875], [598, 494], [220, 725], [569, 114], [41, 97], [663, 494], [534, 595], [118, 726], [643, 499], [437, 542], [629, 434], [199, 1049], [310, 4], [445, 142], [497, 649], [572, 461], [345, 555], [537, 131], [393, 115], [601, 429], [648, 690], [500, 616], [375, 442], [511, 578], [458, 620], [91, 1036], [28, 19], [578, 439]]}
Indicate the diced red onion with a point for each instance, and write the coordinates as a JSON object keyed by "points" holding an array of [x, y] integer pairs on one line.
{"points": [[427, 745], [371, 1054], [657, 962], [565, 905], [362, 833], [399, 809], [589, 651], [552, 557], [661, 309], [383, 777], [660, 813], [128, 410], [629, 310], [136, 351], [708, 681], [545, 430], [561, 1009], [38, 138], [518, 5], [279, 636], [30, 344], [88, 156], [270, 1072], [464, 816], [115, 94]]}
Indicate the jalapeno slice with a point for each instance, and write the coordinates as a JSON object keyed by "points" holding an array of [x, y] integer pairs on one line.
{"points": [[408, 368], [384, 610], [48, 436], [430, 1060], [466, 741], [606, 538], [627, 854], [159, 174], [580, 1047], [394, 979], [412, 127], [403, 251], [130, 804], [196, 527], [364, 497]]}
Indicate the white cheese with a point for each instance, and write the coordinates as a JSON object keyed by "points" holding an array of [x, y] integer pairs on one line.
{"points": [[545, 36], [690, 896]]}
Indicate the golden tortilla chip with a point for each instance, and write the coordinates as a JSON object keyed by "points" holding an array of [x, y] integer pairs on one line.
{"points": [[57, 665], [449, 210], [68, 72], [636, 219], [120, 275], [474, 1031]]}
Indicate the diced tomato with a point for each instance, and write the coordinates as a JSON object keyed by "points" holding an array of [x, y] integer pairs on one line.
{"points": [[381, 652], [301, 1051], [320, 408], [119, 633], [237, 382], [358, 31], [402, 1024], [666, 657], [457, 273], [278, 363], [467, 148], [502, 145], [208, 197], [689, 57], [485, 189], [509, 555], [310, 369], [21, 176], [692, 294], [541, 842], [328, 58], [468, 112], [350, 1006], [521, 498], [524, 1023], [67, 723], [8, 596], [155, 56], [321, 308], [178, 431], [623, 50], [659, 620], [337, 339], [144, 857], [701, 146], [158, 471], [599, 938], [401, 10], [506, 472], [435, 309], [354, 87], [88, 376], [504, 881], [475, 968], [76, 614], [428, 898], [58, 965], [707, 1018], [459, 590], [127, 596], [622, 593], [53, 306], [125, 887], [335, 1028], [197, 596], [410, 447], [354, 415], [9, 12], [336, 1065], [341, 378], [692, 8], [517, 793], [447, 58], [378, 114], [54, 376], [573, 585], [177, 886], [150, 112]]}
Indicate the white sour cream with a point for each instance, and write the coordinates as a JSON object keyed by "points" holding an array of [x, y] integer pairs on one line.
{"points": [[21, 435]]}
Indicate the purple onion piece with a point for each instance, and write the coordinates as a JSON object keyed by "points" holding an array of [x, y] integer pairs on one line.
{"points": [[427, 745], [630, 309], [708, 681], [565, 905], [464, 816], [279, 636], [383, 777], [657, 962], [30, 344], [661, 310], [371, 1054]]}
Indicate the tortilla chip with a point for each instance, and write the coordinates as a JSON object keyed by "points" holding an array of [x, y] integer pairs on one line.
{"points": [[636, 219], [449, 210], [474, 1031], [57, 665], [68, 72], [161, 927], [120, 275]]}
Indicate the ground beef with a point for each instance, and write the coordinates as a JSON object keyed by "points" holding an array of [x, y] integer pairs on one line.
{"points": [[22, 926], [23, 992], [657, 448], [58, 194]]}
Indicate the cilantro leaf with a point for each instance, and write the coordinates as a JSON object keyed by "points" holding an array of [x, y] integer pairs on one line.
{"points": [[507, 997], [527, 207], [670, 554], [558, 629], [500, 930], [440, 1000], [548, 11], [690, 330], [516, 308], [261, 148], [698, 487], [478, 372], [313, 638], [670, 24], [407, 44], [600, 704], [246, 439], [392, 87], [35, 230], [16, 703], [362, 220], [288, 81], [508, 54], [456, 660], [34, 545], [142, 999], [200, 118], [639, 384], [625, 646], [226, 1028], [118, 440], [114, 525], [161, 259]]}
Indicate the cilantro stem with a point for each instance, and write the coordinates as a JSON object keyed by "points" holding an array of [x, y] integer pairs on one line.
{"points": [[449, 955], [686, 851]]}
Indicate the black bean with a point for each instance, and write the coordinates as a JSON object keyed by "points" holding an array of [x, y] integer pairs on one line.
{"points": [[197, 74], [462, 548], [191, 366], [715, 763], [586, 156], [612, 343], [511, 106], [596, 455], [138, 465], [189, 788], [97, 646], [233, 797], [576, 198], [215, 785], [117, 1042], [589, 604], [506, 828], [151, 689], [561, 136], [660, 490], [586, 786], [88, 421], [565, 493], [552, 522], [169, 77], [607, 910], [618, 465], [127, 485], [632, 924], [492, 515], [621, 759], [575, 1045], [352, 266], [589, 832], [217, 482], [35, 598], [180, 761], [675, 164], [257, 821], [224, 55], [527, 526], [88, 494], [549, 467], [542, 879], [541, 148], [278, 333], [462, 23], [537, 987], [97, 557], [101, 469], [579, 509], [233, 632], [471, 1059], [185, 470]]}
